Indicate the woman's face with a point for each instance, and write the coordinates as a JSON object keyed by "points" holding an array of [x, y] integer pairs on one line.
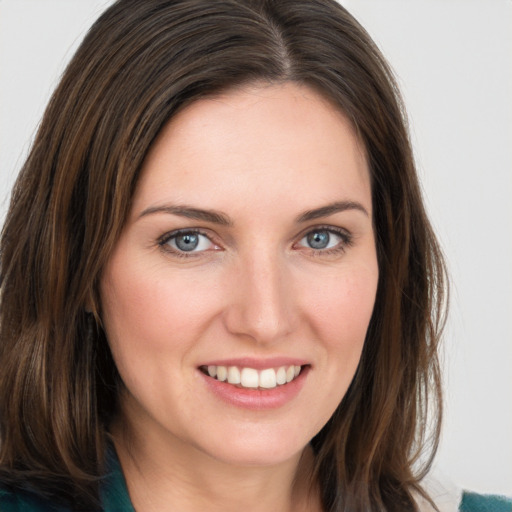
{"points": [[249, 255]]}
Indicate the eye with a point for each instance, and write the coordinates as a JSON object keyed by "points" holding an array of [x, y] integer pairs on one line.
{"points": [[187, 242], [325, 239]]}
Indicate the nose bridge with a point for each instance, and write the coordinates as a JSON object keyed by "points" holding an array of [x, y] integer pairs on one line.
{"points": [[261, 306]]}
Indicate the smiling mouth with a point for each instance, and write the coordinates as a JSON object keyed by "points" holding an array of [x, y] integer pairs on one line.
{"points": [[250, 378]]}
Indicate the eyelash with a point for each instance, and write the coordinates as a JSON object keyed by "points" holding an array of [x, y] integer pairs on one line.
{"points": [[164, 240], [345, 242]]}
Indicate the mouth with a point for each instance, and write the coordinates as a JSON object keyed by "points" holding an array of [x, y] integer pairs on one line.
{"points": [[251, 378]]}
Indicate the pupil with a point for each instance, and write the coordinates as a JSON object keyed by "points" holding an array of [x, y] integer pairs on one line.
{"points": [[187, 242], [318, 240]]}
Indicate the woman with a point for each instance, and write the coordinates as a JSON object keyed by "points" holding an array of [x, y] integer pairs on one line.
{"points": [[190, 334]]}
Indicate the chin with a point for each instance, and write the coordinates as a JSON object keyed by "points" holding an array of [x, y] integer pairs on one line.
{"points": [[263, 448]]}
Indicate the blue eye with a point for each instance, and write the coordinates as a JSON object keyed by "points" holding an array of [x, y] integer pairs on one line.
{"points": [[187, 241], [324, 239], [318, 239]]}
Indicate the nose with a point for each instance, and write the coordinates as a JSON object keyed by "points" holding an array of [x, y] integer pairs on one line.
{"points": [[261, 299]]}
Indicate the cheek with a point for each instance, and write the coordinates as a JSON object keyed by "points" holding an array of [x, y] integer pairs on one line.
{"points": [[144, 307], [339, 312], [344, 306], [340, 321], [153, 321]]}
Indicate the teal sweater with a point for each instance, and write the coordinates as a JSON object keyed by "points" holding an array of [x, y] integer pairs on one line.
{"points": [[115, 498]]}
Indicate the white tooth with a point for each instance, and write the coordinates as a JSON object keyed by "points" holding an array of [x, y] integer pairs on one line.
{"points": [[212, 371], [268, 378], [249, 378], [290, 373], [222, 373], [233, 375], [297, 370], [281, 375]]}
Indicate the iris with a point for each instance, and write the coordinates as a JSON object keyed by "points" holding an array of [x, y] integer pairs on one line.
{"points": [[318, 239]]}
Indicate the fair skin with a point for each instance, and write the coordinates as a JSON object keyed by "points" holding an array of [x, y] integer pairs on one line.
{"points": [[250, 250]]}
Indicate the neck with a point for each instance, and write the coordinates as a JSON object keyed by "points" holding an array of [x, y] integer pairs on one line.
{"points": [[167, 474]]}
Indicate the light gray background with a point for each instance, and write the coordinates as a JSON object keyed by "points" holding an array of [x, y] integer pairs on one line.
{"points": [[454, 63]]}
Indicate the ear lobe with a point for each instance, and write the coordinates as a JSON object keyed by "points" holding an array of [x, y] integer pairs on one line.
{"points": [[90, 303]]}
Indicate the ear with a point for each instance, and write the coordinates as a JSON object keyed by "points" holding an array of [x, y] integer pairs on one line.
{"points": [[90, 305]]}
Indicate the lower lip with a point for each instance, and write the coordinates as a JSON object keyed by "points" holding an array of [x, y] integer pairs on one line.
{"points": [[257, 399]]}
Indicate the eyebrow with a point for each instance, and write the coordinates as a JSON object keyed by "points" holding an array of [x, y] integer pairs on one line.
{"points": [[331, 209], [189, 212], [216, 217]]}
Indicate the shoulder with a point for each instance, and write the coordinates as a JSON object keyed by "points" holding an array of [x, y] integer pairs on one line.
{"points": [[473, 502], [22, 501], [114, 495], [448, 497]]}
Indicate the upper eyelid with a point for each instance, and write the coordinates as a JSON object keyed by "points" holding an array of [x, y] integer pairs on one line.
{"points": [[347, 239], [332, 229], [207, 233], [164, 245], [183, 231], [343, 232]]}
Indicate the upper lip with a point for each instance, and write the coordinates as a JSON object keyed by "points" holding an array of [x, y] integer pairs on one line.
{"points": [[257, 363]]}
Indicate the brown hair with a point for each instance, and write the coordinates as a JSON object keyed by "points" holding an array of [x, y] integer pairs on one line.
{"points": [[139, 64]]}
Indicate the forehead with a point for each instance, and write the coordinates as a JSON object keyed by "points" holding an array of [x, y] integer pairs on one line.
{"points": [[250, 140]]}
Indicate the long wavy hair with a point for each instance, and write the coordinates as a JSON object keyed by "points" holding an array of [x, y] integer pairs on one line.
{"points": [[140, 63]]}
